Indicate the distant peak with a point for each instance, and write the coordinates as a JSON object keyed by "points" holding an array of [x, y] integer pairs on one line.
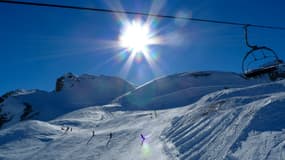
{"points": [[70, 80]]}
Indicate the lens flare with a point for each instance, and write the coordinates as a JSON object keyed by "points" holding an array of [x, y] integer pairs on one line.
{"points": [[146, 151], [139, 57], [154, 56], [122, 56]]}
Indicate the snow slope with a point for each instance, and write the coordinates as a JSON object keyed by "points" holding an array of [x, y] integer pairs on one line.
{"points": [[76, 92], [45, 140], [240, 122], [181, 89]]}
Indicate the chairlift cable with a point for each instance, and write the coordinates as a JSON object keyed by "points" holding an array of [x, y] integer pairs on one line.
{"points": [[138, 13]]}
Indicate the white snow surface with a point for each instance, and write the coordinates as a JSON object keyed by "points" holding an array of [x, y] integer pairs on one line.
{"points": [[242, 121]]}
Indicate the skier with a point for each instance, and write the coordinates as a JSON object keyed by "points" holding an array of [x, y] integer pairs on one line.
{"points": [[155, 114], [142, 139], [110, 137], [93, 134], [65, 132]]}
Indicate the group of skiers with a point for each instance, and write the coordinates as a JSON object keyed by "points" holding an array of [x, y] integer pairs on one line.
{"points": [[142, 137], [66, 129], [93, 135]]}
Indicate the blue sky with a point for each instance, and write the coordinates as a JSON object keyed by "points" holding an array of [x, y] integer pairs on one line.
{"points": [[39, 44]]}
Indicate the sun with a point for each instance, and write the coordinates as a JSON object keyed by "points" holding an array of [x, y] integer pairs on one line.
{"points": [[136, 43], [136, 37]]}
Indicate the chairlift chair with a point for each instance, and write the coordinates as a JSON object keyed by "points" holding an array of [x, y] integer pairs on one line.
{"points": [[261, 60]]}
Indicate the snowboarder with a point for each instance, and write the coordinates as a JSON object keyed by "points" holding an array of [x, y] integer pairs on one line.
{"points": [[109, 140], [142, 139]]}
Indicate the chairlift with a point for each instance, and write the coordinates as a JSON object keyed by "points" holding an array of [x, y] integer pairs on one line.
{"points": [[261, 60]]}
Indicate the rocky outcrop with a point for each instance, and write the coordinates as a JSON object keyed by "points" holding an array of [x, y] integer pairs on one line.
{"points": [[28, 112], [4, 118], [60, 82], [1, 99]]}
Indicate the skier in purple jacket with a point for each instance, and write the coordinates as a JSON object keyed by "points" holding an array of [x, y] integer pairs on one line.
{"points": [[142, 139]]}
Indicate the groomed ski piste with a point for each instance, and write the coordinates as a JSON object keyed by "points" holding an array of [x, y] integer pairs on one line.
{"points": [[227, 117]]}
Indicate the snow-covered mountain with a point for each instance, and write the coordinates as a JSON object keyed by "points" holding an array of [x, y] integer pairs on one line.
{"points": [[204, 115], [181, 89], [72, 92]]}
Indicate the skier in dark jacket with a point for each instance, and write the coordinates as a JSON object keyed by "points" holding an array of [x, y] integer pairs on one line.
{"points": [[93, 135], [111, 135], [109, 140]]}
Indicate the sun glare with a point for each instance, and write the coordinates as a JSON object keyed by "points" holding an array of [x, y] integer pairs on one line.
{"points": [[136, 37], [139, 39]]}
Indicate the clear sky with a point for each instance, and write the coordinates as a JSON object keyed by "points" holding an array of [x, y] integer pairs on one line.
{"points": [[39, 44]]}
